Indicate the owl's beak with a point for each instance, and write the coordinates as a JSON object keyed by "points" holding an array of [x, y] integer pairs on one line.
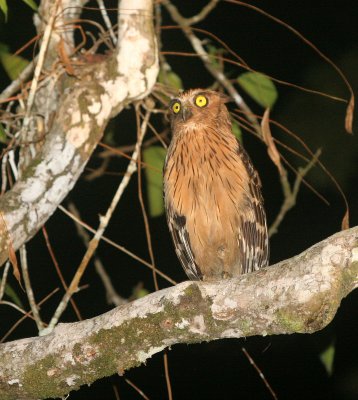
{"points": [[186, 113]]}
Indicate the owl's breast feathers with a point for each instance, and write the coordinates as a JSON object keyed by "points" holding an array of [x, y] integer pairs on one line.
{"points": [[214, 204]]}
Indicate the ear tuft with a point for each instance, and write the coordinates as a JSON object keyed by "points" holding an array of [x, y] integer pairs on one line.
{"points": [[224, 97]]}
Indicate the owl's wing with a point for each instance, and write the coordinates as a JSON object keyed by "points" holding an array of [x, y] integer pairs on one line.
{"points": [[177, 227], [179, 233], [252, 229]]}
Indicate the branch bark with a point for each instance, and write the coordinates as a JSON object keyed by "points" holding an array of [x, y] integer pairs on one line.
{"points": [[301, 295], [75, 111]]}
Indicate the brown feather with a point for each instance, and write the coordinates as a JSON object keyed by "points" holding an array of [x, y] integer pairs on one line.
{"points": [[212, 194]]}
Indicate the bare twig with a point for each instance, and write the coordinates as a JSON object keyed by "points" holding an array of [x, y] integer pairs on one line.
{"points": [[350, 107], [204, 56], [117, 246], [141, 201], [3, 279], [290, 192], [40, 62], [16, 84], [3, 173], [26, 315], [132, 75], [136, 388], [118, 151], [104, 220], [116, 392], [29, 291], [13, 305], [106, 20], [111, 294], [150, 249], [258, 370], [98, 172], [167, 376], [58, 270], [202, 14]]}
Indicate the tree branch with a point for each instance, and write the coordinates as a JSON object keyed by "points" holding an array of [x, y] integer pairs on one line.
{"points": [[75, 111], [301, 295]]}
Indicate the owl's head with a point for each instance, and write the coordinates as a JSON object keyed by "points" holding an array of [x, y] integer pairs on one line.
{"points": [[198, 107]]}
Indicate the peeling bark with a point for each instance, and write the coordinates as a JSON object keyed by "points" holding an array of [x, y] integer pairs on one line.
{"points": [[75, 111], [299, 295]]}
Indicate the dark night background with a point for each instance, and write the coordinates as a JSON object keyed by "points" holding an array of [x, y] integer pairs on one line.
{"points": [[219, 369]]}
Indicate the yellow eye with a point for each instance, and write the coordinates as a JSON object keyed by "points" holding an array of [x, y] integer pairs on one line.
{"points": [[201, 101], [176, 107]]}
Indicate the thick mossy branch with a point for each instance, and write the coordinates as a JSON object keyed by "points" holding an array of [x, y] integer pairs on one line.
{"points": [[75, 111], [301, 294]]}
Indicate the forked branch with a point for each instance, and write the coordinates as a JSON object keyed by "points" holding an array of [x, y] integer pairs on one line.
{"points": [[74, 112]]}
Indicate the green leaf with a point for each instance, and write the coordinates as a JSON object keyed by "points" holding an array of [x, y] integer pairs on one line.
{"points": [[110, 137], [3, 138], [170, 78], [9, 291], [13, 65], [214, 53], [3, 7], [154, 156], [259, 87], [141, 293], [236, 130], [31, 4], [327, 358]]}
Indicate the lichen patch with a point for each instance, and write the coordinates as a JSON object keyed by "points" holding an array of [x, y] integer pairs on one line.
{"points": [[78, 135]]}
